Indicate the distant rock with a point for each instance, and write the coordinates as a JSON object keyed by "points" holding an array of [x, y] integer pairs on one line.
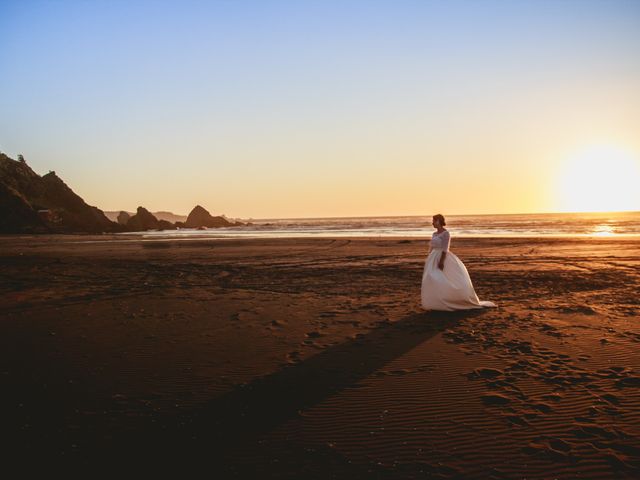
{"points": [[123, 217], [200, 217], [165, 225], [169, 216], [113, 215], [161, 215], [30, 203], [142, 220], [145, 220]]}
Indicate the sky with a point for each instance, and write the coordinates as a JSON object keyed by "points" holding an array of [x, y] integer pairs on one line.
{"points": [[267, 109]]}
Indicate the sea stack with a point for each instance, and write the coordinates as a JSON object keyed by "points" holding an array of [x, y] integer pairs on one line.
{"points": [[142, 220], [200, 217], [123, 218], [145, 220]]}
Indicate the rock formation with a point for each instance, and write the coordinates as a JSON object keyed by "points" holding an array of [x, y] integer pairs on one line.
{"points": [[169, 216], [161, 215], [24, 193], [199, 217], [142, 220], [145, 220], [123, 218], [17, 215], [165, 225], [30, 203]]}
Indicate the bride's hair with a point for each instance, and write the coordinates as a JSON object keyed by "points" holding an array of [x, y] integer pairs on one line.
{"points": [[441, 218]]}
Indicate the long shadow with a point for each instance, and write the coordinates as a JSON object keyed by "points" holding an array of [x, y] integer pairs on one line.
{"points": [[236, 420], [231, 425], [271, 400]]}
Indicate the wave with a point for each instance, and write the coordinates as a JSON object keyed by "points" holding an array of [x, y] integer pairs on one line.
{"points": [[512, 225]]}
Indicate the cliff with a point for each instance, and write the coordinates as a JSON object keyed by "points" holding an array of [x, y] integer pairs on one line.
{"points": [[31, 203]]}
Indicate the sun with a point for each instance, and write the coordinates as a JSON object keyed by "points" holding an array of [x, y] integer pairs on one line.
{"points": [[602, 178]]}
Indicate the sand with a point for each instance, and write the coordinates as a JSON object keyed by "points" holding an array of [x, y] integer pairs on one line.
{"points": [[311, 358]]}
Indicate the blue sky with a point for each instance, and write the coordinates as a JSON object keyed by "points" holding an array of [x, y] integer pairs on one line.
{"points": [[310, 108]]}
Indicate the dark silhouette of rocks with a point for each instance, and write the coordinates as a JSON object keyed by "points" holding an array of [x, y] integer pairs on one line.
{"points": [[200, 217], [31, 203], [145, 220], [142, 220], [73, 213], [160, 215], [17, 215], [165, 225], [123, 218], [169, 216]]}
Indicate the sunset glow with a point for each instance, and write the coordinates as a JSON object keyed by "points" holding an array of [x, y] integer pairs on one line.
{"points": [[285, 109], [599, 179]]}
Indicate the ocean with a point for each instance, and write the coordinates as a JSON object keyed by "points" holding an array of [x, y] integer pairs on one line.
{"points": [[618, 224]]}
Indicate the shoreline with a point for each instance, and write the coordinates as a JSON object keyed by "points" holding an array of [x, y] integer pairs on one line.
{"points": [[143, 236]]}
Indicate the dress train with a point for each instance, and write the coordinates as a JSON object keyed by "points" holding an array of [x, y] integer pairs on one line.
{"points": [[448, 289]]}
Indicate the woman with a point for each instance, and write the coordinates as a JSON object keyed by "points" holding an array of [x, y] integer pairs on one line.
{"points": [[445, 281]]}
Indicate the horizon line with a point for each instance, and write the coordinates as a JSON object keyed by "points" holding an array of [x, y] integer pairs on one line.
{"points": [[417, 216]]}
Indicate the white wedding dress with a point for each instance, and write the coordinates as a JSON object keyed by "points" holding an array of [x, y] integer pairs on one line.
{"points": [[451, 288]]}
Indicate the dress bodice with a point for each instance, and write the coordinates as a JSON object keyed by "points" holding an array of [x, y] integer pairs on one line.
{"points": [[441, 240]]}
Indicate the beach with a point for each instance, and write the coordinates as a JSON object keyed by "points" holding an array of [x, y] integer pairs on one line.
{"points": [[311, 358]]}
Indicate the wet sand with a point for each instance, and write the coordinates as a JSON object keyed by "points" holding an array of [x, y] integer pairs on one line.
{"points": [[311, 358]]}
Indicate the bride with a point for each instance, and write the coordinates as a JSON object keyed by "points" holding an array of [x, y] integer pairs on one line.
{"points": [[446, 284]]}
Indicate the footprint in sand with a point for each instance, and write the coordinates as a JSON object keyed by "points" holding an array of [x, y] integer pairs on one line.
{"points": [[517, 420], [553, 397], [485, 373], [293, 357], [541, 407], [610, 399], [550, 448], [275, 325], [495, 399], [628, 382]]}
